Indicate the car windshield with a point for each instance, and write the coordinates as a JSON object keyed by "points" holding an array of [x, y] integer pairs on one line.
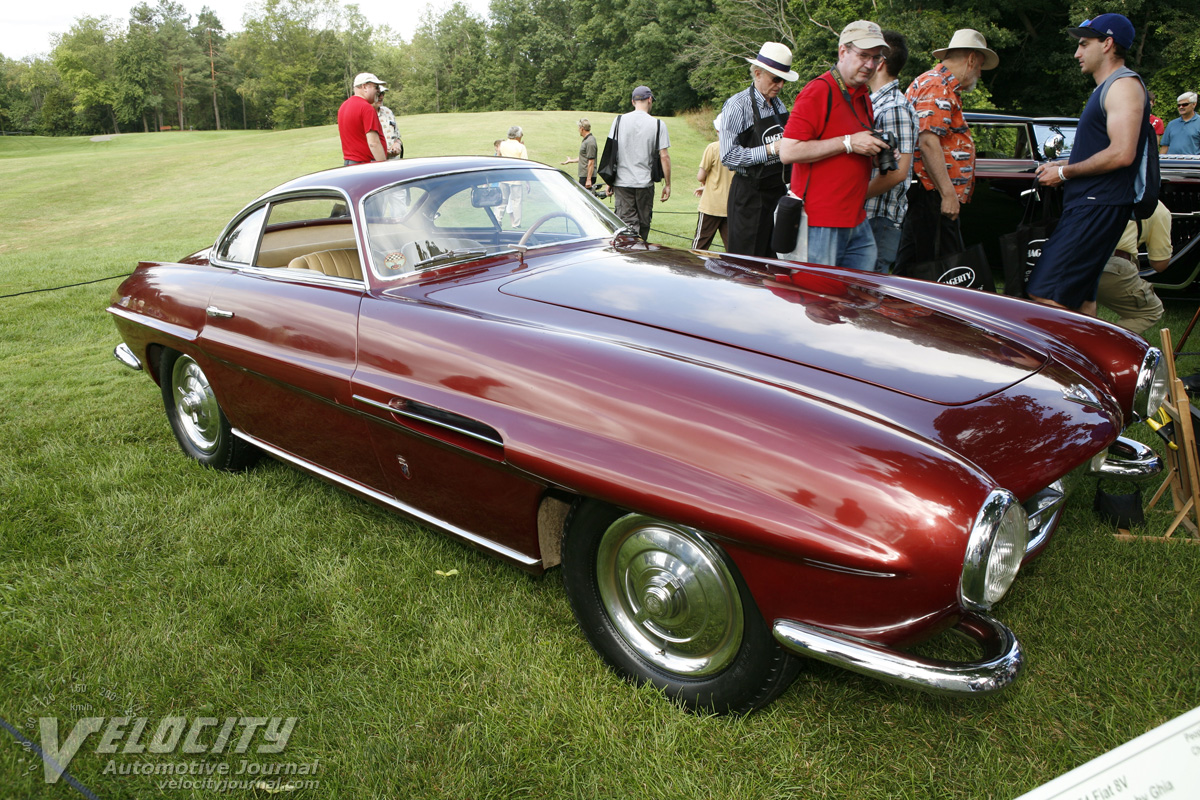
{"points": [[465, 216], [1044, 132]]}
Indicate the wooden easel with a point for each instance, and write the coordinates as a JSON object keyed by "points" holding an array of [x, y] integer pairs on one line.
{"points": [[1184, 476]]}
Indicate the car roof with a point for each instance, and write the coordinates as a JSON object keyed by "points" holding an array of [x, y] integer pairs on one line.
{"points": [[1001, 118], [360, 179]]}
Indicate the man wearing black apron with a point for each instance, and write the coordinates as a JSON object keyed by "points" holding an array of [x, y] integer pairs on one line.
{"points": [[752, 122]]}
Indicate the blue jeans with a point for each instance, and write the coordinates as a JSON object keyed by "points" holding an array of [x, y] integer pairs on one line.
{"points": [[887, 241], [843, 247]]}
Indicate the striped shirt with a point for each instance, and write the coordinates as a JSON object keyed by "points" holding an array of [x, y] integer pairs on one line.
{"points": [[738, 115], [894, 113]]}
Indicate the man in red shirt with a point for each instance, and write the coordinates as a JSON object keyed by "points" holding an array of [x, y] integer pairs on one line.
{"points": [[829, 142], [358, 123]]}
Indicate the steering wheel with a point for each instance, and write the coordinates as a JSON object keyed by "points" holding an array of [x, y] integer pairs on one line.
{"points": [[542, 221]]}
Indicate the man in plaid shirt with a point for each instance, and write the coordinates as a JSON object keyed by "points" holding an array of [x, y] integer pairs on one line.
{"points": [[886, 200]]}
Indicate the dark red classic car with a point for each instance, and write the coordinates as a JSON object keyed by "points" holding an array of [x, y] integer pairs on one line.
{"points": [[737, 461]]}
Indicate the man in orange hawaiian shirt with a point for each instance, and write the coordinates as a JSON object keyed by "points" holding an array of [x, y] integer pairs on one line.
{"points": [[945, 157]]}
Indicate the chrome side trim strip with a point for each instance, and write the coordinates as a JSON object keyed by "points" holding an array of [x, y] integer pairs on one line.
{"points": [[125, 355], [1126, 459], [391, 502], [997, 669], [493, 440]]}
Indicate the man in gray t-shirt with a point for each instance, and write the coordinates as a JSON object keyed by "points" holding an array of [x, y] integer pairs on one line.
{"points": [[636, 138]]}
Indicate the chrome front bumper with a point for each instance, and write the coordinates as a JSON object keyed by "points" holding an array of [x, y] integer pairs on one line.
{"points": [[1126, 460], [123, 354], [997, 668]]}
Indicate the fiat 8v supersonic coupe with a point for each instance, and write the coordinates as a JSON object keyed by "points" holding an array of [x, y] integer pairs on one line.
{"points": [[739, 463]]}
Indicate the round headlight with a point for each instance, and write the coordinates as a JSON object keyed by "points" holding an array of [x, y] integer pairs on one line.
{"points": [[994, 551], [1151, 390]]}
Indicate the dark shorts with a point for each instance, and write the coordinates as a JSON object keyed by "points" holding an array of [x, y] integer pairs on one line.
{"points": [[1075, 254]]}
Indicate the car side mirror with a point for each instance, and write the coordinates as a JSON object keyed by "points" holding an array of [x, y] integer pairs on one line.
{"points": [[1053, 146], [486, 196]]}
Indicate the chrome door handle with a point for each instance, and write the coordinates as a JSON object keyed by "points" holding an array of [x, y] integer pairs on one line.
{"points": [[213, 311]]}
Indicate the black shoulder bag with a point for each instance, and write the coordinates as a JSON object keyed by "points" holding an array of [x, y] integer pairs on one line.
{"points": [[608, 160]]}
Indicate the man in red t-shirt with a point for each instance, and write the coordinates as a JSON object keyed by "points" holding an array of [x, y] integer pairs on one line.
{"points": [[358, 123], [829, 141]]}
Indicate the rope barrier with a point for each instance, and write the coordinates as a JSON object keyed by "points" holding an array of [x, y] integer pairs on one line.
{"points": [[68, 286]]}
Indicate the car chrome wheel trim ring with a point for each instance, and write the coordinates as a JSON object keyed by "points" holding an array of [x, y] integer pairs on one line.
{"points": [[669, 595], [195, 406]]}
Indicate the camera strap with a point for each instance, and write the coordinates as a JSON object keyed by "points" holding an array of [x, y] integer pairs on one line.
{"points": [[837, 77]]}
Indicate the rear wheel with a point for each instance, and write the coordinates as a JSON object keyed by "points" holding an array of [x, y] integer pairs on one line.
{"points": [[662, 604], [196, 418]]}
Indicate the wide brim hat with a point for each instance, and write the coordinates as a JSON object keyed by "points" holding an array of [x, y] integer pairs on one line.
{"points": [[968, 39], [776, 59]]}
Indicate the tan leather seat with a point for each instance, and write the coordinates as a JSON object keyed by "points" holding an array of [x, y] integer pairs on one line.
{"points": [[338, 263]]}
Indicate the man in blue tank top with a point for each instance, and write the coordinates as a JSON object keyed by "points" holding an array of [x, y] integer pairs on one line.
{"points": [[1098, 179]]}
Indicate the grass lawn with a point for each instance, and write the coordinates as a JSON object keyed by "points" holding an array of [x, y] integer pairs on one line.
{"points": [[134, 582]]}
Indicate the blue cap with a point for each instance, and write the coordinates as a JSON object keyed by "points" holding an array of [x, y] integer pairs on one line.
{"points": [[1104, 26]]}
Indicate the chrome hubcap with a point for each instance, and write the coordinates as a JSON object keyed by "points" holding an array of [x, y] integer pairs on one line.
{"points": [[195, 406], [670, 595]]}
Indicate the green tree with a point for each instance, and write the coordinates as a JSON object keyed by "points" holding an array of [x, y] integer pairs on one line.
{"points": [[291, 60], [85, 57]]}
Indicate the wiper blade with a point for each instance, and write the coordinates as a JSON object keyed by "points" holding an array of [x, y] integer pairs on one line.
{"points": [[449, 255]]}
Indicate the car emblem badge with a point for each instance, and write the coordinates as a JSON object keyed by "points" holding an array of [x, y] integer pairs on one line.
{"points": [[1077, 393]]}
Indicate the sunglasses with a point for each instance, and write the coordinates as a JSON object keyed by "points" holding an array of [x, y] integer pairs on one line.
{"points": [[1184, 105], [776, 79]]}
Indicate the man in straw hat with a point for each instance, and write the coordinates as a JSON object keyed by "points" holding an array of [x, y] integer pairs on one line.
{"points": [[1099, 178], [358, 124], [829, 139], [751, 123], [945, 159]]}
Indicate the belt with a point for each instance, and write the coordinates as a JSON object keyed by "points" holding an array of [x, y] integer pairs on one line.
{"points": [[1126, 255]]}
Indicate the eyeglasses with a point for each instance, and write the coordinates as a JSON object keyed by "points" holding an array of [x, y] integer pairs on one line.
{"points": [[776, 79], [866, 58], [1185, 105]]}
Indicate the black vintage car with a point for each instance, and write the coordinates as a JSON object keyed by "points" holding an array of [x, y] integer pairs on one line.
{"points": [[1009, 149]]}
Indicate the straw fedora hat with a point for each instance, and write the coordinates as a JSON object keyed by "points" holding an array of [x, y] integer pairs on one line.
{"points": [[968, 39], [776, 59]]}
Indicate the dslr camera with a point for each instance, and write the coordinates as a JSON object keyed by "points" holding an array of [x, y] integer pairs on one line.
{"points": [[886, 159]]}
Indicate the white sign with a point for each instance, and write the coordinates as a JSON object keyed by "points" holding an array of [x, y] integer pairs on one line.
{"points": [[1162, 763]]}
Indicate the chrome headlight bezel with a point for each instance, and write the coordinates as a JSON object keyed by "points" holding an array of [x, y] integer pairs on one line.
{"points": [[1150, 391], [995, 550]]}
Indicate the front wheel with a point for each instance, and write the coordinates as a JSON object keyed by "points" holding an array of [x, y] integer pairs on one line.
{"points": [[196, 418], [662, 604]]}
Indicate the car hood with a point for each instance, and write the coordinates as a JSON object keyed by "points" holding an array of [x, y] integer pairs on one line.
{"points": [[824, 319]]}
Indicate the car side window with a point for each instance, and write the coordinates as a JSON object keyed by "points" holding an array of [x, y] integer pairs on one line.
{"points": [[241, 243], [1001, 141]]}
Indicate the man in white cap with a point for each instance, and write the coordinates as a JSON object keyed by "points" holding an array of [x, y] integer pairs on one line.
{"points": [[713, 211], [944, 161], [1182, 135], [358, 124], [751, 122], [830, 140]]}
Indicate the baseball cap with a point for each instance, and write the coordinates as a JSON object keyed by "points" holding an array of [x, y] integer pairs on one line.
{"points": [[643, 93], [1104, 26], [864, 35], [368, 77]]}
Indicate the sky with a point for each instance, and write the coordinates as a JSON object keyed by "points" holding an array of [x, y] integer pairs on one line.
{"points": [[26, 27]]}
